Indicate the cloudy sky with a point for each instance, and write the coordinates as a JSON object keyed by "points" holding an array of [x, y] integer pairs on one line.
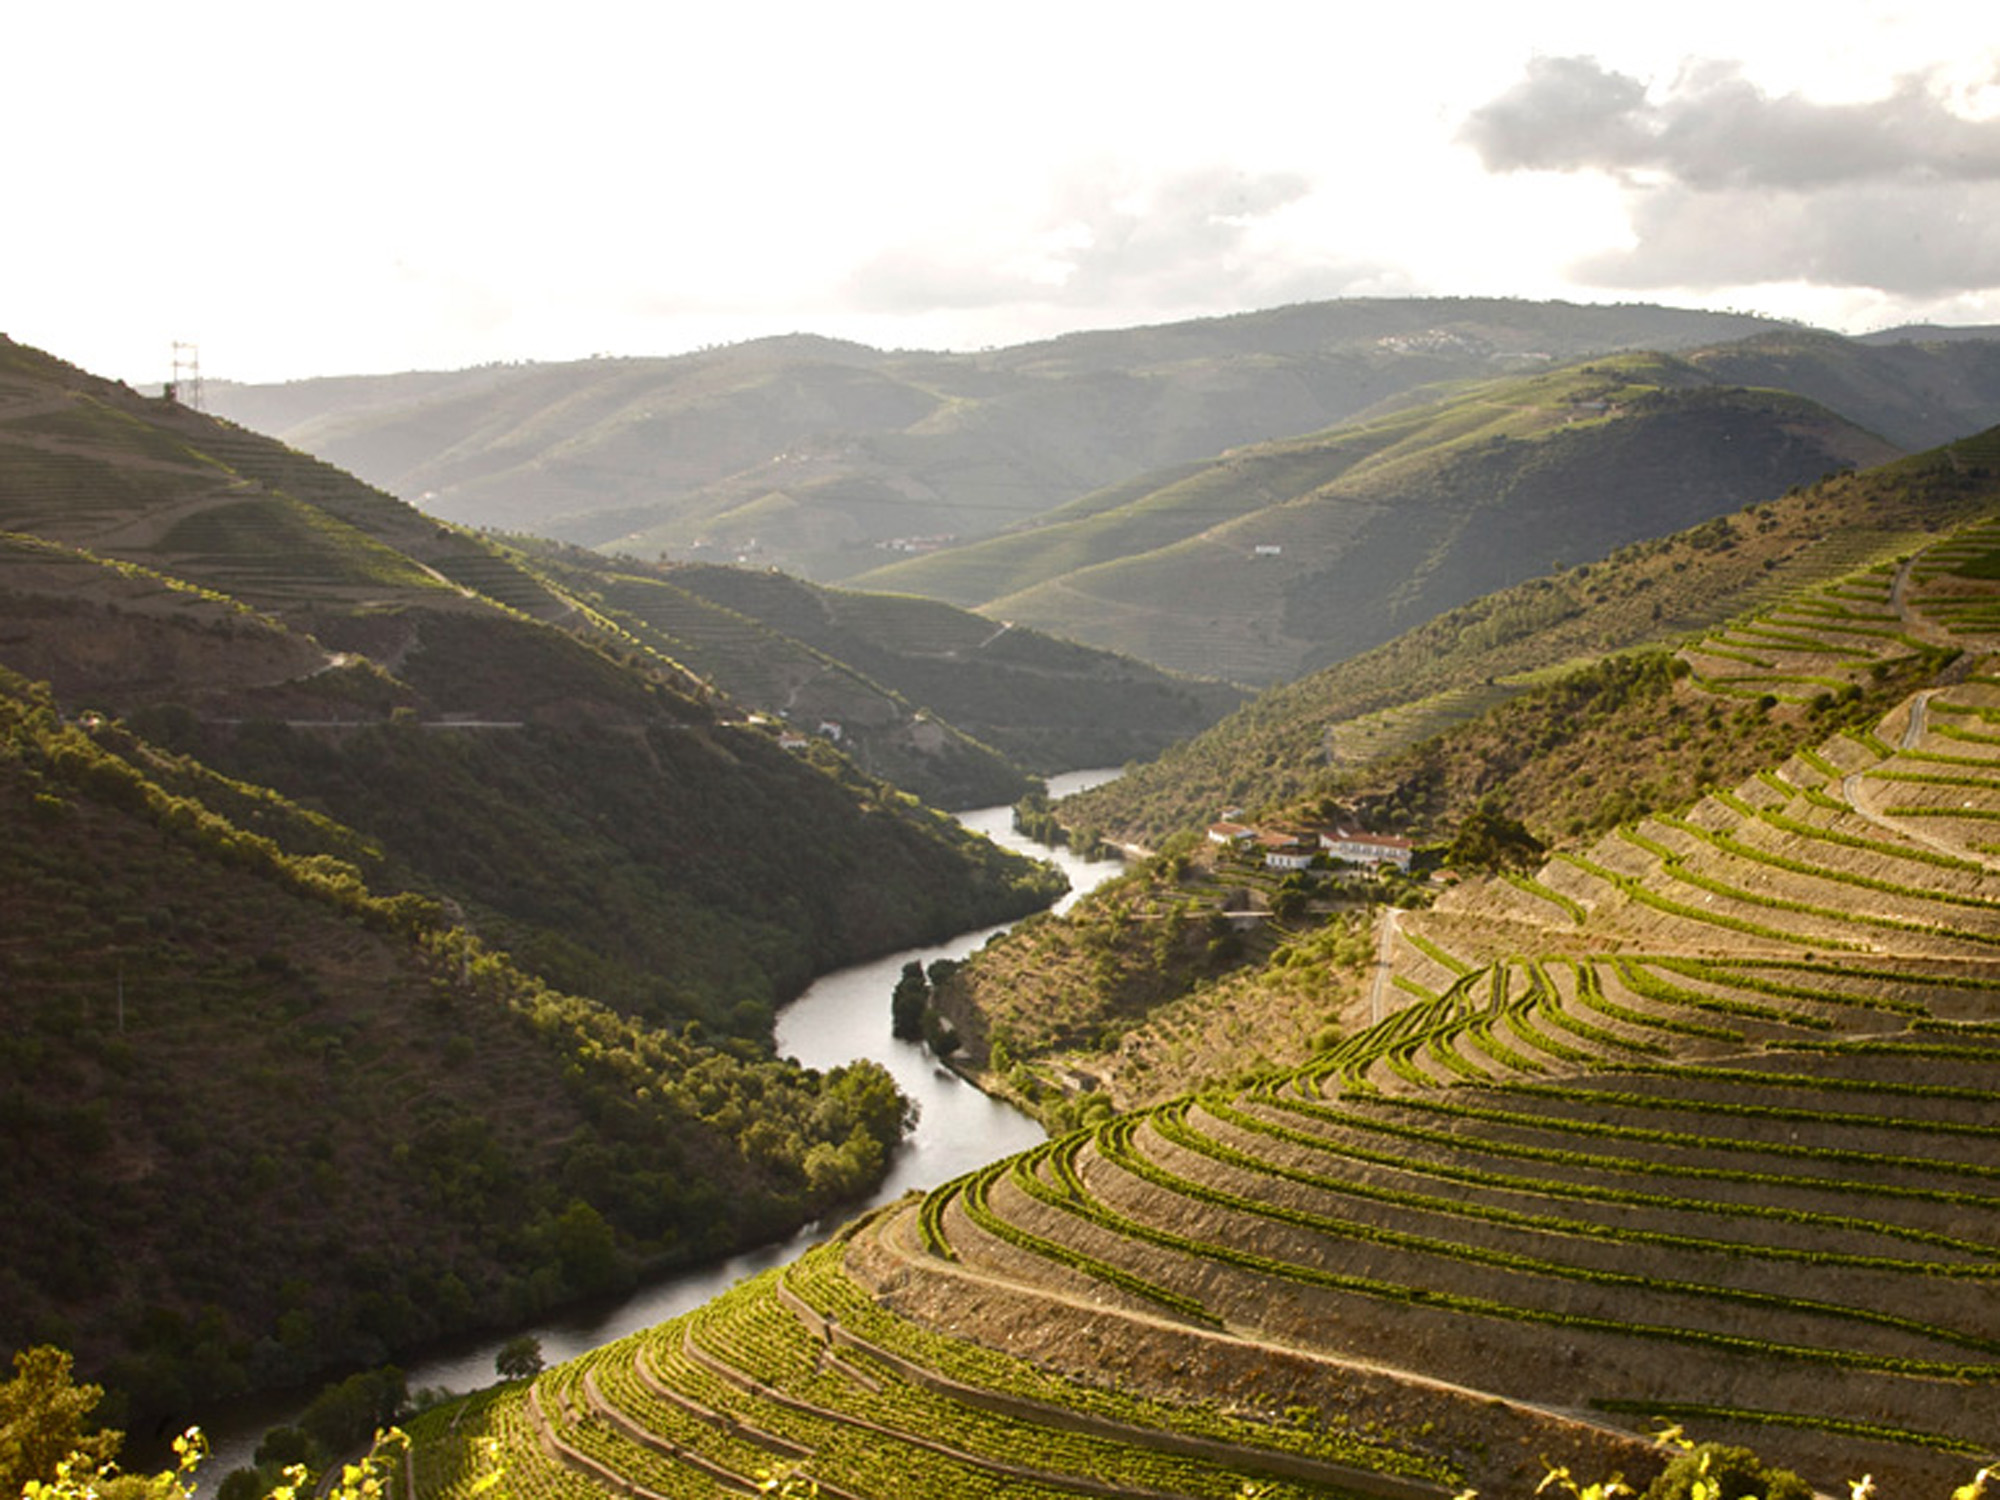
{"points": [[316, 189]]}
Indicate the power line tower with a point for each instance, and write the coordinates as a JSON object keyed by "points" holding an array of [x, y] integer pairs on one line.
{"points": [[185, 387]]}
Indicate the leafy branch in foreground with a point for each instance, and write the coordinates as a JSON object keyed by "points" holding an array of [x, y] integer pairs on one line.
{"points": [[1713, 1471]]}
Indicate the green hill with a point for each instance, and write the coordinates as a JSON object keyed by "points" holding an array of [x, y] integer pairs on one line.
{"points": [[1690, 1122], [1325, 730], [940, 701], [424, 702], [265, 1119], [1049, 704], [1276, 559], [816, 456], [358, 871], [1917, 387]]}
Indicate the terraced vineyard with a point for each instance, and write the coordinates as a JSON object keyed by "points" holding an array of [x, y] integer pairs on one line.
{"points": [[1697, 1124], [200, 500]]}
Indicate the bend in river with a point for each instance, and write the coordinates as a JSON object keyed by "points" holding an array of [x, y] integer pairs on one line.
{"points": [[842, 1016]]}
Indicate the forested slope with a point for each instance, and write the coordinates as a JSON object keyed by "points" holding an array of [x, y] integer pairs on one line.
{"points": [[1326, 732], [392, 941]]}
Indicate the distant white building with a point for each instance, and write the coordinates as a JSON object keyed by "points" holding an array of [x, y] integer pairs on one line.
{"points": [[1287, 851], [1358, 846]]}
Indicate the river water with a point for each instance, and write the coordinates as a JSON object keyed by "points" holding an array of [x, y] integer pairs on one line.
{"points": [[842, 1016]]}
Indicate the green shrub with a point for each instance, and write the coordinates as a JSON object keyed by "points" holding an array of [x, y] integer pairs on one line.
{"points": [[1711, 1471]]}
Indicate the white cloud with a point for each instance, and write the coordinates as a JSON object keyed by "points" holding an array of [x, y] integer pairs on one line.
{"points": [[387, 183], [1114, 237], [1907, 239], [1728, 185]]}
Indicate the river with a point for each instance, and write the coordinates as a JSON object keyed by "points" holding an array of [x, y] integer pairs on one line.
{"points": [[842, 1016]]}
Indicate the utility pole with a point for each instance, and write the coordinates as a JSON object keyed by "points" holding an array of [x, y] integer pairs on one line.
{"points": [[185, 387]]}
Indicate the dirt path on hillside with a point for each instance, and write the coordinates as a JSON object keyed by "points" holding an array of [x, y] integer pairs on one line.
{"points": [[1385, 963], [1853, 791], [1914, 623]]}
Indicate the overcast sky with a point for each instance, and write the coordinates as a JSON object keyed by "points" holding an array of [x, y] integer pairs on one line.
{"points": [[310, 188]]}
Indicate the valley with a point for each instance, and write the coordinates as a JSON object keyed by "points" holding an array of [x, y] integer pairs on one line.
{"points": [[408, 909], [1568, 1185], [842, 1018]]}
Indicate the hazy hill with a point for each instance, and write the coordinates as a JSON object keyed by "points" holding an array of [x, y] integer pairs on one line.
{"points": [[1281, 557], [941, 701], [323, 805], [815, 455], [1922, 387], [1330, 727]]}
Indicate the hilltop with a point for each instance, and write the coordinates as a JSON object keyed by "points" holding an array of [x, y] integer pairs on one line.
{"points": [[818, 456], [1277, 558]]}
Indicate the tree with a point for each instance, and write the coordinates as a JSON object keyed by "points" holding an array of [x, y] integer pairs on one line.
{"points": [[1489, 839], [520, 1358], [42, 1415], [346, 1415], [1293, 896], [585, 1249], [906, 1005]]}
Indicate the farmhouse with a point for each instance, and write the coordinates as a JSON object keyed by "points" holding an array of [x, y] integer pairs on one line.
{"points": [[1358, 846], [1292, 849], [1287, 851]]}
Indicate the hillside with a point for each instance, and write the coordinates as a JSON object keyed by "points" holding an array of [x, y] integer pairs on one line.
{"points": [[942, 702], [264, 1119], [1275, 559], [307, 633], [1325, 732], [1918, 387], [816, 456], [1691, 1122], [359, 872]]}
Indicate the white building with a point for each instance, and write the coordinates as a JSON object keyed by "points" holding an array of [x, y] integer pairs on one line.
{"points": [[1358, 846]]}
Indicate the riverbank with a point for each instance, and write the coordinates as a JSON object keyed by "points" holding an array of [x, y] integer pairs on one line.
{"points": [[840, 1018]]}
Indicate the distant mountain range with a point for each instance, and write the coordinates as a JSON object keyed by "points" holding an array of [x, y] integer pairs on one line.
{"points": [[1246, 498], [824, 458]]}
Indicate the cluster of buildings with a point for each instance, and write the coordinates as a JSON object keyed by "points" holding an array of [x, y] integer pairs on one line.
{"points": [[1297, 848]]}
